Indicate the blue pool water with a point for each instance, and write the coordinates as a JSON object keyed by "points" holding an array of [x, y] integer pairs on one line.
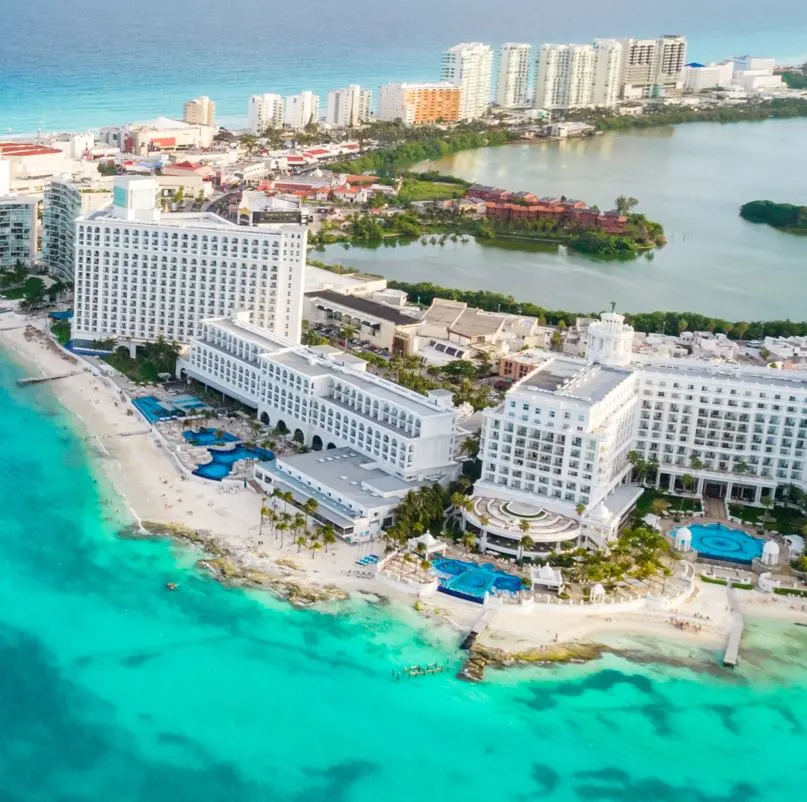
{"points": [[208, 437], [222, 462], [151, 408], [468, 580], [719, 542]]}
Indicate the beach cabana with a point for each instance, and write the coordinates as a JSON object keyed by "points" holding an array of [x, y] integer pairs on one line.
{"points": [[548, 577], [597, 593], [427, 544], [770, 553], [683, 539]]}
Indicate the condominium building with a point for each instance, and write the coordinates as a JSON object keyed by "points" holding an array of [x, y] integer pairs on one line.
{"points": [[469, 66], [200, 111], [513, 84], [349, 107], [64, 202], [265, 111], [301, 110], [17, 231], [564, 76], [141, 274], [556, 451], [652, 66], [608, 69], [419, 104]]}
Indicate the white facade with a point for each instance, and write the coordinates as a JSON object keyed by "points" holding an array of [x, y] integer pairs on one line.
{"points": [[470, 67], [64, 202], [157, 135], [329, 397], [700, 77], [608, 72], [513, 85], [265, 111], [653, 65], [17, 230], [140, 274], [564, 76], [609, 341], [349, 107], [301, 110], [200, 111]]}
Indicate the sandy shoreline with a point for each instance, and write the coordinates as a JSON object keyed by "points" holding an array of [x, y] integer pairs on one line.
{"points": [[152, 488]]}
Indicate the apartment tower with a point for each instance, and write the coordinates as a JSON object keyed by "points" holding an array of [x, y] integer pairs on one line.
{"points": [[469, 66], [513, 85], [265, 111], [564, 76]]}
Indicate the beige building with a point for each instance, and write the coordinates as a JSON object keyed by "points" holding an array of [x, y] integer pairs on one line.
{"points": [[419, 104], [200, 111]]}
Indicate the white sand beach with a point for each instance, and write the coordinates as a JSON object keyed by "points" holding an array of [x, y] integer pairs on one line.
{"points": [[153, 488]]}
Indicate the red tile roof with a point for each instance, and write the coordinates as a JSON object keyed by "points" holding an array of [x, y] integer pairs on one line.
{"points": [[25, 149]]}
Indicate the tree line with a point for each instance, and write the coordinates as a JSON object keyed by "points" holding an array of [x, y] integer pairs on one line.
{"points": [[649, 322], [785, 216]]}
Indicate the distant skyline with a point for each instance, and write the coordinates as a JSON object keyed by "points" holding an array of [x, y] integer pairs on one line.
{"points": [[68, 66]]}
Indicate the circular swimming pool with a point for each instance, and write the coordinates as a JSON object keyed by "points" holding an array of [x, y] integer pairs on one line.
{"points": [[719, 542]]}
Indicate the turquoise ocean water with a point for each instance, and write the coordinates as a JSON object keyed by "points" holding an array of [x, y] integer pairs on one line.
{"points": [[73, 65], [112, 688]]}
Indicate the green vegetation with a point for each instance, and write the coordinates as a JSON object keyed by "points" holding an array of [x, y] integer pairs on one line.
{"points": [[413, 145], [784, 216], [795, 80], [659, 503], [420, 511], [417, 189], [651, 322], [716, 580], [675, 115], [639, 553], [61, 331], [152, 359], [790, 592], [782, 519]]}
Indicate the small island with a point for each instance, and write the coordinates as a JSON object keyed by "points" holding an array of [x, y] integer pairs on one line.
{"points": [[784, 216]]}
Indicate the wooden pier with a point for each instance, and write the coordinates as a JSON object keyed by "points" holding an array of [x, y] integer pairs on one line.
{"points": [[41, 379], [419, 670], [732, 653], [482, 623]]}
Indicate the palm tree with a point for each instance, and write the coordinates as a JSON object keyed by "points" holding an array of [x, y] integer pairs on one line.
{"points": [[484, 520], [265, 513], [298, 522], [526, 543], [767, 503], [328, 536], [741, 467], [658, 506], [281, 528], [580, 508], [310, 507], [468, 540], [688, 481], [695, 462], [315, 547], [300, 541]]}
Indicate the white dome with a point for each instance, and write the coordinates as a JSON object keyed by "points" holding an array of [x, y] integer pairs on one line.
{"points": [[770, 549], [683, 535]]}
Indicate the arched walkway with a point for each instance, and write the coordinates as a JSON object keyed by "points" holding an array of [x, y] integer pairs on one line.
{"points": [[316, 443], [264, 418], [281, 427], [299, 437], [330, 446]]}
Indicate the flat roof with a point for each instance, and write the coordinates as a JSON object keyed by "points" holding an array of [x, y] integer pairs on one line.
{"points": [[365, 306], [251, 332], [795, 380], [572, 378], [317, 279]]}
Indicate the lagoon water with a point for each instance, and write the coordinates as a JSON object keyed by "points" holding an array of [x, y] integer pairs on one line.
{"points": [[691, 178], [113, 688]]}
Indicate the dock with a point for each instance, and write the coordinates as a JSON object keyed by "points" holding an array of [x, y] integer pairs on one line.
{"points": [[481, 624], [732, 653], [419, 670], [42, 379]]}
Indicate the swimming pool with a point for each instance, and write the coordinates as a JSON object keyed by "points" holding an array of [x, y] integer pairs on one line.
{"points": [[221, 464], [208, 437], [151, 409], [471, 581], [719, 542]]}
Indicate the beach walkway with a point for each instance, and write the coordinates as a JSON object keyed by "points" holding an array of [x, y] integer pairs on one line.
{"points": [[732, 653], [481, 624], [41, 379]]}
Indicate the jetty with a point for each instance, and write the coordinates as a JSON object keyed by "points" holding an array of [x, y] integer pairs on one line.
{"points": [[418, 670], [41, 379], [482, 623], [732, 653]]}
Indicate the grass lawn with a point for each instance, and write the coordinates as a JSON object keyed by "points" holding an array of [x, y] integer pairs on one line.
{"points": [[14, 294], [414, 189], [677, 504], [784, 520], [61, 331], [138, 370]]}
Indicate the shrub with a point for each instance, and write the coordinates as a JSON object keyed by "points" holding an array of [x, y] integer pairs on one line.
{"points": [[790, 592]]}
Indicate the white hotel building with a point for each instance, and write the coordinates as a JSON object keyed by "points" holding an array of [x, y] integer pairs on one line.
{"points": [[141, 274], [385, 437], [563, 434]]}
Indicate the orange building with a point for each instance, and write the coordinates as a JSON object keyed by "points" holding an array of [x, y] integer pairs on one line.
{"points": [[419, 104]]}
